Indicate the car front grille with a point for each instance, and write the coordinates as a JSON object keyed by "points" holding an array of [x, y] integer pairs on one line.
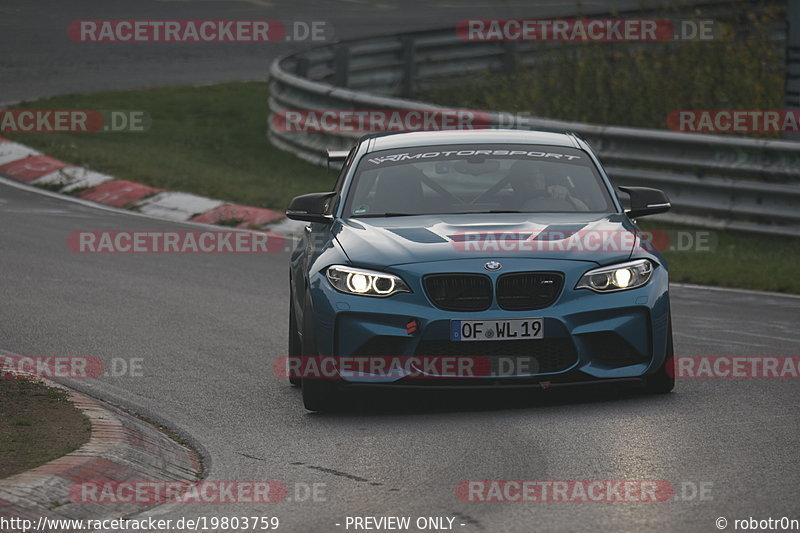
{"points": [[459, 292], [508, 357], [518, 291], [528, 290]]}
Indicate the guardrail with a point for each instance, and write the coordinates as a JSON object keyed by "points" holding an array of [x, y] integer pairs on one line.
{"points": [[723, 182]]}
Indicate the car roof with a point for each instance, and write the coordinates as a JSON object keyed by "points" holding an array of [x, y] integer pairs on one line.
{"points": [[389, 141]]}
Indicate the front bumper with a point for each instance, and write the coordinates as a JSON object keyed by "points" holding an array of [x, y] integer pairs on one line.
{"points": [[588, 336]]}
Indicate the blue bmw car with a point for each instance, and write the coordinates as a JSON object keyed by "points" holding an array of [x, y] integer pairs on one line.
{"points": [[493, 258]]}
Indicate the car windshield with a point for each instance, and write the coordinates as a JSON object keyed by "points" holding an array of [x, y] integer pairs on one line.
{"points": [[476, 179]]}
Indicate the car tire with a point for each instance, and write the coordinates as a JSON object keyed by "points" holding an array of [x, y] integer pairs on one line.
{"points": [[318, 393], [663, 381], [294, 345]]}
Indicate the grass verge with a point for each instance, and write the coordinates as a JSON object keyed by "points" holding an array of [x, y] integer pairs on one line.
{"points": [[208, 140], [731, 259], [37, 424], [639, 84]]}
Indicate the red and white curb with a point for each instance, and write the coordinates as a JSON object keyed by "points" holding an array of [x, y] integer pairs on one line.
{"points": [[121, 448], [11, 151], [24, 164], [178, 206]]}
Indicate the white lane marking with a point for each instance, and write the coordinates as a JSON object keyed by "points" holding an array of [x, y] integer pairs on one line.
{"points": [[710, 340], [43, 211], [737, 332], [730, 289]]}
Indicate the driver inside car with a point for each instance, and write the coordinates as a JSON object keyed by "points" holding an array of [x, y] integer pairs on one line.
{"points": [[530, 185]]}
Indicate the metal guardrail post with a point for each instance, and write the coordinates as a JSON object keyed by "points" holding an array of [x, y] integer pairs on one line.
{"points": [[792, 94], [341, 65], [303, 64], [409, 52], [509, 56]]}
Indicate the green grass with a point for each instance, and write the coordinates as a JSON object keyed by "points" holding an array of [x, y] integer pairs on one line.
{"points": [[735, 259], [37, 424], [637, 84], [208, 140]]}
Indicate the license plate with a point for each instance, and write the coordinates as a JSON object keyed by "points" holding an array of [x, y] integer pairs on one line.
{"points": [[514, 329]]}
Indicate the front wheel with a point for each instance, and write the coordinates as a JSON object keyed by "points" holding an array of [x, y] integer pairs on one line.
{"points": [[318, 393], [294, 345]]}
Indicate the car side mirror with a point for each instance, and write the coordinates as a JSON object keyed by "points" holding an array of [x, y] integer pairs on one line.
{"points": [[311, 207], [337, 157], [646, 201]]}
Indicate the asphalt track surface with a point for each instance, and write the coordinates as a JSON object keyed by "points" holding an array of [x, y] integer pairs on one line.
{"points": [[208, 327]]}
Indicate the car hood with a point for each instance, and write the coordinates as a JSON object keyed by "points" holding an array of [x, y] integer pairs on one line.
{"points": [[382, 242]]}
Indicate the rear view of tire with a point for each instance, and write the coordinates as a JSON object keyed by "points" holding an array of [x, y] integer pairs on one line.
{"points": [[294, 346], [663, 381]]}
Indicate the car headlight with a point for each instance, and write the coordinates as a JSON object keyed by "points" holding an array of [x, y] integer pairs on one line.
{"points": [[365, 282], [619, 277]]}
